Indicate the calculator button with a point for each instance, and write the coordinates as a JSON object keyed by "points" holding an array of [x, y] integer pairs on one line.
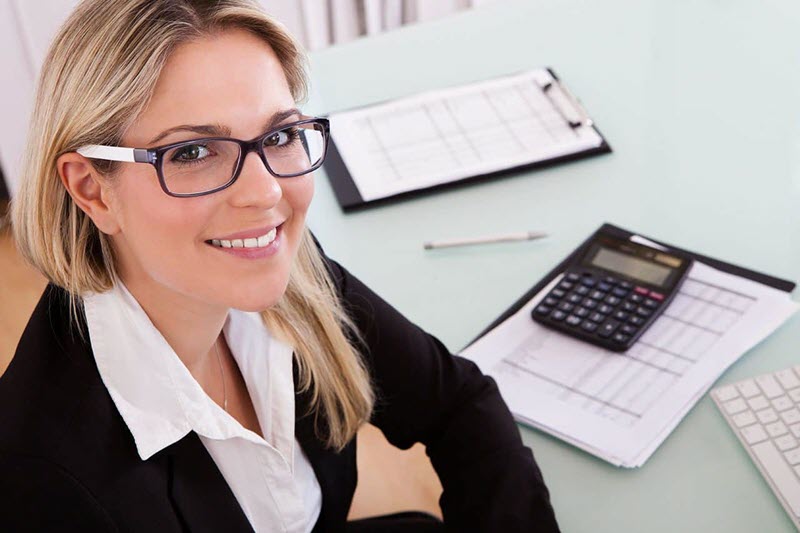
{"points": [[588, 303], [641, 290], [574, 298], [543, 310], [605, 309], [566, 306], [635, 298], [657, 296], [652, 304], [621, 338], [629, 307], [588, 281], [625, 285], [565, 285], [608, 328], [583, 291], [644, 312], [603, 286], [558, 293], [636, 320], [597, 317], [572, 276], [612, 300], [589, 326], [620, 292], [597, 295], [581, 312], [558, 315], [610, 280], [550, 301], [622, 316], [573, 320], [627, 329]]}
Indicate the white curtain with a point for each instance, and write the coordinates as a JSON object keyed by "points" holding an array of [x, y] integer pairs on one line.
{"points": [[321, 23]]}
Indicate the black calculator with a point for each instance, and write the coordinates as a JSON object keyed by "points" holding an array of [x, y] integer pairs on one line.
{"points": [[613, 291]]}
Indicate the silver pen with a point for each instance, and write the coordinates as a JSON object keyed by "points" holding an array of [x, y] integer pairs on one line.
{"points": [[510, 237]]}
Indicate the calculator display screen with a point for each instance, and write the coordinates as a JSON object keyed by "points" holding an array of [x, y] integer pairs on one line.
{"points": [[631, 266]]}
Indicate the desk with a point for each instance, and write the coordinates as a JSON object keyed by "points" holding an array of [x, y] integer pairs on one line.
{"points": [[701, 103]]}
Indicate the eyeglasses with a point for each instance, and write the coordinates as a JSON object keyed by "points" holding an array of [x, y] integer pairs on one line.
{"points": [[204, 166]]}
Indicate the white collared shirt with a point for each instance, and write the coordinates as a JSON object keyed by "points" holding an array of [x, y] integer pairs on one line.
{"points": [[161, 402]]}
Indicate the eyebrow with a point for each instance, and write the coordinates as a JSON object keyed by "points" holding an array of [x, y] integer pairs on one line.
{"points": [[218, 130]]}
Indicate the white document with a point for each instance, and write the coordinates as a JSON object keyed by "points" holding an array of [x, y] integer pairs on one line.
{"points": [[450, 134], [621, 407]]}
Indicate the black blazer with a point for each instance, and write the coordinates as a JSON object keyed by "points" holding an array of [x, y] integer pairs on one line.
{"points": [[68, 461]]}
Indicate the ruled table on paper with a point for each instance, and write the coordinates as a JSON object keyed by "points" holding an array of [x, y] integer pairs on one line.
{"points": [[620, 407], [449, 134]]}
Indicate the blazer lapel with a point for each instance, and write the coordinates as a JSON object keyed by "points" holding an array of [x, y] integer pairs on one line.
{"points": [[199, 493]]}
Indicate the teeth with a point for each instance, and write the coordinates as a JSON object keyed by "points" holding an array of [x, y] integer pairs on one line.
{"points": [[259, 242]]}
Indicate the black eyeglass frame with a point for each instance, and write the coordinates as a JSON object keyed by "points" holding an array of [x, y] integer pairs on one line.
{"points": [[154, 155]]}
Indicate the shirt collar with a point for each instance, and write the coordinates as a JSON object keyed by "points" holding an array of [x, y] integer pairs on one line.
{"points": [[159, 399]]}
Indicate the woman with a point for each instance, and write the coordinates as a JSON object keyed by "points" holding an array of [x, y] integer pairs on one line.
{"points": [[197, 362]]}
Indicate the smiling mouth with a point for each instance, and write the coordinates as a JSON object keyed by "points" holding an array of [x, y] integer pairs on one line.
{"points": [[255, 242]]}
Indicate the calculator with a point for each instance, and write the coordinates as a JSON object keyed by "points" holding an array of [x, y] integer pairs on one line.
{"points": [[613, 291]]}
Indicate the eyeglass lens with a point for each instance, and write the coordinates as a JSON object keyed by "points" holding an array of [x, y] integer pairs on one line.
{"points": [[205, 165]]}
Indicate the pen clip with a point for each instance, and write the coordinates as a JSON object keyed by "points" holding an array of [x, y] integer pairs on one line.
{"points": [[566, 104]]}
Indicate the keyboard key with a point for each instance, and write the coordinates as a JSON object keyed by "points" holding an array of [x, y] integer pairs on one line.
{"points": [[566, 307], [597, 317], [782, 403], [565, 285], [588, 303], [619, 292], [785, 443], [792, 416], [558, 293], [758, 403], [583, 291], [787, 378], [603, 286], [621, 338], [622, 316], [657, 296], [605, 309], [573, 320], [643, 312], [625, 285], [608, 328], [588, 325], [754, 434], [776, 429], [641, 290], [574, 298], [628, 306], [766, 416], [636, 298], [748, 388], [543, 310], [612, 300], [793, 456], [744, 418], [737, 406], [610, 280], [572, 276], [769, 386], [780, 473], [728, 392], [589, 281], [627, 329], [558, 315], [581, 312], [597, 295], [550, 301], [650, 303], [636, 320], [794, 394]]}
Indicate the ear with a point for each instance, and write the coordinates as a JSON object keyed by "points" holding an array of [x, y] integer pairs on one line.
{"points": [[85, 185]]}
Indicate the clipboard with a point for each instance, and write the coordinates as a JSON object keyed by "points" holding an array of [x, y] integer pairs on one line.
{"points": [[765, 279], [350, 198]]}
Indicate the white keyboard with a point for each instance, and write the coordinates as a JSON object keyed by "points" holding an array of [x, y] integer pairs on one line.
{"points": [[764, 412]]}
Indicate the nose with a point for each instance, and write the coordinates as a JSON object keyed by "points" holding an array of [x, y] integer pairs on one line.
{"points": [[255, 186]]}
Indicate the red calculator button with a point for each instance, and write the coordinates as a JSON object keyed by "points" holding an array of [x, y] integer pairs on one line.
{"points": [[641, 290], [657, 296]]}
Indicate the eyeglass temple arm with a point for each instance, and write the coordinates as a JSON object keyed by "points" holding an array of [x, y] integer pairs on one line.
{"points": [[116, 153]]}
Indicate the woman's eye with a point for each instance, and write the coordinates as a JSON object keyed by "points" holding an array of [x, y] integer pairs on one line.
{"points": [[280, 138], [192, 152]]}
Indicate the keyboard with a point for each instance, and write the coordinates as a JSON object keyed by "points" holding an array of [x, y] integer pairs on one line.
{"points": [[764, 412]]}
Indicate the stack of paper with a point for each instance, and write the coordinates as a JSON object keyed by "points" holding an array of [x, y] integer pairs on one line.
{"points": [[621, 407]]}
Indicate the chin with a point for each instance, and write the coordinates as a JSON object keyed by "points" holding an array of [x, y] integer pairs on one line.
{"points": [[257, 301]]}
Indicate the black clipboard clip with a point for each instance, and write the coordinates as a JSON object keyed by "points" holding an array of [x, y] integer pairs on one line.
{"points": [[566, 104]]}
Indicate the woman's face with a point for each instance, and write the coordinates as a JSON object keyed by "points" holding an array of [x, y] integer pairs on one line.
{"points": [[232, 82]]}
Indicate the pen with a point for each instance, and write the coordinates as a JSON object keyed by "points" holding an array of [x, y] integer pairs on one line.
{"points": [[524, 236]]}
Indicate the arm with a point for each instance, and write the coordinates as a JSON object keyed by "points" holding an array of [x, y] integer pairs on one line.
{"points": [[38, 495], [491, 481]]}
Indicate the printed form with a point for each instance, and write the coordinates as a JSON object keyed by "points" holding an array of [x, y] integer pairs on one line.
{"points": [[450, 134], [621, 407]]}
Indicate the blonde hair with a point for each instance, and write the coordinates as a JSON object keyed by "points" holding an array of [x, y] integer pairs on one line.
{"points": [[98, 77]]}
